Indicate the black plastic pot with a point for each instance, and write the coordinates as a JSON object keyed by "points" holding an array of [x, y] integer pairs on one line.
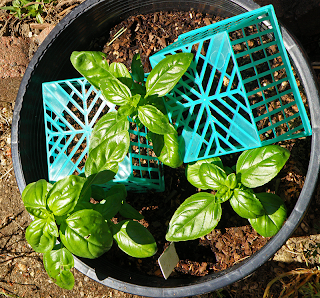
{"points": [[94, 18]]}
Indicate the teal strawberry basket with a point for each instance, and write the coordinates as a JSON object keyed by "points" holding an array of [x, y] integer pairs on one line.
{"points": [[240, 91], [71, 108]]}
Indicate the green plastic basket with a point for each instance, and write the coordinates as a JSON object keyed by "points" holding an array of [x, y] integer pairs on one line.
{"points": [[239, 92], [71, 108]]}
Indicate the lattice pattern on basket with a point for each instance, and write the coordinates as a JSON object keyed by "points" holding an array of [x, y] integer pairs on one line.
{"points": [[239, 92], [71, 108]]}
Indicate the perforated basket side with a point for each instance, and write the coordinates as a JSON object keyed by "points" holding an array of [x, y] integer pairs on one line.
{"points": [[71, 108], [269, 81], [209, 103], [240, 91]]}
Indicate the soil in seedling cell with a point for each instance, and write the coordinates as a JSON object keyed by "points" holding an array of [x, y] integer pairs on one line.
{"points": [[74, 115]]}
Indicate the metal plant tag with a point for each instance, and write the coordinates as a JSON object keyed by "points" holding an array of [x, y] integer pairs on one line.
{"points": [[168, 260]]}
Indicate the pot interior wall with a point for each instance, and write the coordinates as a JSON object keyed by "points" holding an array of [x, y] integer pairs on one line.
{"points": [[88, 21]]}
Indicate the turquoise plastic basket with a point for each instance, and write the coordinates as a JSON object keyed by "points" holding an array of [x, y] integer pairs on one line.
{"points": [[71, 108], [239, 92]]}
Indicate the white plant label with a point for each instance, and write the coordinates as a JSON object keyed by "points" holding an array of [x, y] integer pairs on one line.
{"points": [[168, 260]]}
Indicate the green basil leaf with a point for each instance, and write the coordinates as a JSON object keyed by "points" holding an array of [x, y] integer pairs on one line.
{"points": [[120, 71], [231, 181], [51, 226], [128, 211], [103, 176], [167, 73], [80, 206], [258, 166], [212, 176], [155, 101], [115, 91], [134, 239], [138, 89], [98, 192], [224, 194], [110, 124], [65, 194], [92, 65], [229, 170], [135, 99], [246, 204], [86, 191], [86, 234], [116, 147], [107, 155], [58, 263], [155, 120], [39, 236], [118, 189], [138, 123], [61, 219], [34, 198], [275, 214], [110, 206], [26, 189], [137, 68], [197, 216], [193, 171], [126, 110], [158, 143], [166, 147]]}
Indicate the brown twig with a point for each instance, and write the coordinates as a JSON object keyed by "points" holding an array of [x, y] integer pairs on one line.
{"points": [[5, 25], [31, 3], [39, 26], [118, 34], [2, 292], [240, 260], [298, 287], [6, 173], [25, 255], [5, 119], [67, 9], [310, 272], [69, 2]]}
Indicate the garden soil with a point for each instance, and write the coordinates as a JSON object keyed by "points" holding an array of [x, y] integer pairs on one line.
{"points": [[21, 270]]}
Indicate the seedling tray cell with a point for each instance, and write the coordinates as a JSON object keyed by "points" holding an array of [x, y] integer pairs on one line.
{"points": [[71, 108], [239, 92]]}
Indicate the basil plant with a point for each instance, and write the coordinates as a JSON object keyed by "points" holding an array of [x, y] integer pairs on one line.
{"points": [[136, 98], [66, 223], [199, 214]]}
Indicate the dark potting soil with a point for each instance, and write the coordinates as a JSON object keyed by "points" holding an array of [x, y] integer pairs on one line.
{"points": [[233, 240]]}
